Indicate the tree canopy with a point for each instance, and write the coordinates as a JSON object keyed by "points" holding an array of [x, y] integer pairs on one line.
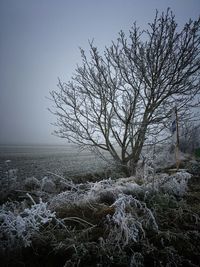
{"points": [[121, 99]]}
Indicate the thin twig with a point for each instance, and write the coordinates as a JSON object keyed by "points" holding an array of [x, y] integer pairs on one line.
{"points": [[31, 198]]}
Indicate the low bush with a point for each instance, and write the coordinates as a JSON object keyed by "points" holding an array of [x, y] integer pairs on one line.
{"points": [[106, 223]]}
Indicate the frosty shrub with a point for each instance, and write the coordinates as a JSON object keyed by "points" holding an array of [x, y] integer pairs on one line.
{"points": [[153, 160], [68, 198], [31, 183], [17, 229], [164, 158], [106, 222], [105, 191], [126, 218], [193, 167], [129, 222], [48, 185], [108, 191], [175, 184]]}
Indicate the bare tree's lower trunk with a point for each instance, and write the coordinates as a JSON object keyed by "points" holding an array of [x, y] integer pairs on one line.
{"points": [[129, 168]]}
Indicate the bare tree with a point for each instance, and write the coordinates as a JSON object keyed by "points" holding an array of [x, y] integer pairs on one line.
{"points": [[120, 100]]}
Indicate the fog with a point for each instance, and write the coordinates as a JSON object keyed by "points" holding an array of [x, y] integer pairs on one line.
{"points": [[39, 42]]}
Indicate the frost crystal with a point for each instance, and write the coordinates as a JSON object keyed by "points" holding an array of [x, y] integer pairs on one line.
{"points": [[129, 221], [175, 184], [16, 230]]}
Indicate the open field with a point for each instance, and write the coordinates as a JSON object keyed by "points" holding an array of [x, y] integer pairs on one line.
{"points": [[39, 160]]}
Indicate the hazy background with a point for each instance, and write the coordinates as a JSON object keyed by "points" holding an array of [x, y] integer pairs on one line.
{"points": [[39, 42]]}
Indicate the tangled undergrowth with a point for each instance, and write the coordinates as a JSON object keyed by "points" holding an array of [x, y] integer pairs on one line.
{"points": [[106, 223]]}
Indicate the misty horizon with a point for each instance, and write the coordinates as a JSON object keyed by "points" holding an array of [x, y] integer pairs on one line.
{"points": [[40, 41]]}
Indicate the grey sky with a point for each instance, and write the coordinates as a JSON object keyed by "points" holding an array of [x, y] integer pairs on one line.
{"points": [[39, 42]]}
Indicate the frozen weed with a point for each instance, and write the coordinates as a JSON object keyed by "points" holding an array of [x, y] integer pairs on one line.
{"points": [[129, 221], [175, 184], [31, 183], [17, 229]]}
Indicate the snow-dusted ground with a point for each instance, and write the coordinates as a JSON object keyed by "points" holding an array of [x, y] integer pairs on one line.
{"points": [[38, 160]]}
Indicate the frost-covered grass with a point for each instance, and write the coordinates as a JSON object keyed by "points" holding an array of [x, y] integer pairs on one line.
{"points": [[106, 223], [151, 219], [37, 160], [18, 228]]}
